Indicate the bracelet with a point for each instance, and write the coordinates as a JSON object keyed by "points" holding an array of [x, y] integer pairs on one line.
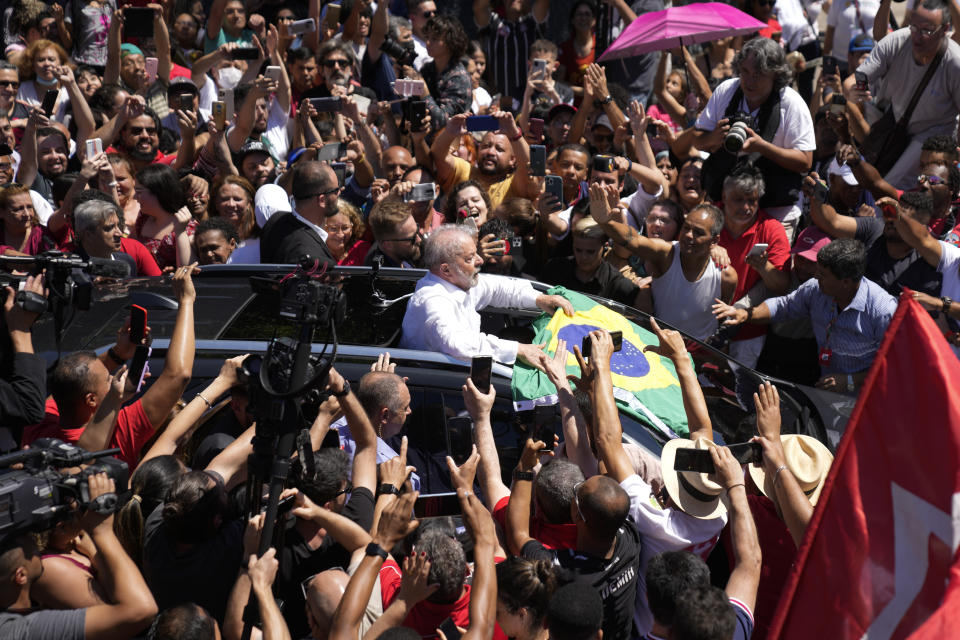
{"points": [[629, 166], [113, 356], [523, 475], [200, 395], [518, 136], [739, 484], [776, 474]]}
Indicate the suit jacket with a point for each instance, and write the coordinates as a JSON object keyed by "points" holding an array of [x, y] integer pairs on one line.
{"points": [[285, 240]]}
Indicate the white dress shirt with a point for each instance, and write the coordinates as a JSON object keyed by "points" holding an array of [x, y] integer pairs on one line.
{"points": [[443, 317]]}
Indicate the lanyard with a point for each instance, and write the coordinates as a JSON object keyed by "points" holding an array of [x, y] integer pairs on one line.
{"points": [[826, 339], [856, 7]]}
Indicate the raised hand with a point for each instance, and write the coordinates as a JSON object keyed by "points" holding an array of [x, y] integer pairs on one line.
{"points": [[672, 344]]}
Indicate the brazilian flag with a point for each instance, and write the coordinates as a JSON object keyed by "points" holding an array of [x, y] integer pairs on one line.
{"points": [[644, 384]]}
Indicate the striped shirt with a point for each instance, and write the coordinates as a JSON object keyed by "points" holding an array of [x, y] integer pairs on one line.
{"points": [[853, 334], [507, 47]]}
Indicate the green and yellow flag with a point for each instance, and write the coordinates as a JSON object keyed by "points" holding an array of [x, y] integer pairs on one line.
{"points": [[644, 384]]}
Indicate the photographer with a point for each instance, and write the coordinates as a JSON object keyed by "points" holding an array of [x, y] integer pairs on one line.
{"points": [[23, 384], [20, 567]]}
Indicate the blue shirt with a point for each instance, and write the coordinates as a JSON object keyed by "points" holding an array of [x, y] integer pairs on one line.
{"points": [[384, 451], [852, 334]]}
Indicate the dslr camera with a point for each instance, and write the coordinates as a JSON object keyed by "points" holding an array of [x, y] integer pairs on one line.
{"points": [[737, 135], [403, 53]]}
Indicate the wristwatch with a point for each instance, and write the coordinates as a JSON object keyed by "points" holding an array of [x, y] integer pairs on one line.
{"points": [[607, 100], [946, 304], [386, 487], [113, 356], [523, 475], [343, 392], [373, 549]]}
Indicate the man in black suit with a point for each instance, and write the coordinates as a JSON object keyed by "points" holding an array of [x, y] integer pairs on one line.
{"points": [[288, 237]]}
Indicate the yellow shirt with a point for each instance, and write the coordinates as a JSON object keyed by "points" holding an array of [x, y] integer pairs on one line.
{"points": [[498, 191]]}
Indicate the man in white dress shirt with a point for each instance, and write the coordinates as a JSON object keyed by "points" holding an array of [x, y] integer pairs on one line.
{"points": [[443, 313]]}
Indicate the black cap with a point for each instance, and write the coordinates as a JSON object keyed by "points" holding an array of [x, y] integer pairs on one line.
{"points": [[182, 84], [253, 147]]}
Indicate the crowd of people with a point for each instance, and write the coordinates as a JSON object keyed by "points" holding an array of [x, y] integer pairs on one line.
{"points": [[770, 195]]}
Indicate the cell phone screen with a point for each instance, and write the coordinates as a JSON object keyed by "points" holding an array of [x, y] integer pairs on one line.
{"points": [[482, 123], [480, 369], [138, 366], [449, 628], [698, 460], [459, 434], [138, 22], [49, 101], [538, 160], [435, 505], [330, 152], [138, 324]]}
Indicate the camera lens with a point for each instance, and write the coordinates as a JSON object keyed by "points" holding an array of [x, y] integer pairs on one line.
{"points": [[735, 138]]}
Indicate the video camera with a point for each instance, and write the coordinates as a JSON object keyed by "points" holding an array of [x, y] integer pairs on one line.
{"points": [[43, 493], [67, 277]]}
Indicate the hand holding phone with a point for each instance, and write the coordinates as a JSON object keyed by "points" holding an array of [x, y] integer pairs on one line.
{"points": [[480, 370], [758, 249], [138, 324]]}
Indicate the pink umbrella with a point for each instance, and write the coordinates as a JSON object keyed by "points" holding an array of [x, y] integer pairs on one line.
{"points": [[689, 24]]}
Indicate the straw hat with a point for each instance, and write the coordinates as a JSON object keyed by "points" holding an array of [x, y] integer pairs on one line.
{"points": [[697, 494], [808, 460]]}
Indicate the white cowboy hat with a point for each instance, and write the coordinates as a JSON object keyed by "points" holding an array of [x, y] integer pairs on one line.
{"points": [[697, 494], [808, 460]]}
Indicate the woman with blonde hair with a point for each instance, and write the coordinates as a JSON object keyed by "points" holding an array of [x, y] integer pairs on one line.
{"points": [[232, 199], [21, 232], [344, 232], [42, 67]]}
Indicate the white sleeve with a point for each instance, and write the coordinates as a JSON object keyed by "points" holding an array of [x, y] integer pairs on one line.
{"points": [[501, 291], [833, 16], [798, 132], [445, 334], [639, 204], [565, 216], [668, 529], [949, 258], [717, 105]]}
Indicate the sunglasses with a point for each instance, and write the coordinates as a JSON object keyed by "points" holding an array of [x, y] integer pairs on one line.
{"points": [[138, 130], [328, 192], [330, 64], [428, 14], [9, 83], [412, 239], [932, 180]]}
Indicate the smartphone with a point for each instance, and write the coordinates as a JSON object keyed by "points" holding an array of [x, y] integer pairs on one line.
{"points": [[554, 186], [545, 420], [138, 324], [300, 27], [226, 97], [536, 128], [697, 460], [586, 349], [459, 437], [838, 104], [820, 191], [406, 87], [539, 65], [186, 102], [449, 628], [138, 366], [482, 123], [538, 160], [151, 65], [757, 249], [652, 130], [480, 370], [860, 81], [830, 66], [418, 113], [604, 164], [331, 152], [327, 105], [435, 505], [94, 146], [49, 102], [340, 168], [138, 22], [273, 73], [747, 452], [332, 16], [421, 193], [219, 111], [245, 53]]}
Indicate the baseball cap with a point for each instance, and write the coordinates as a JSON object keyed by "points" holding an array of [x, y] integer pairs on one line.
{"points": [[844, 171], [602, 121], [558, 109], [270, 199], [127, 49], [182, 84], [252, 147], [860, 43], [809, 243]]}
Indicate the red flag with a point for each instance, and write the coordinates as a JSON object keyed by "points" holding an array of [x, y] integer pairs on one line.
{"points": [[882, 543]]}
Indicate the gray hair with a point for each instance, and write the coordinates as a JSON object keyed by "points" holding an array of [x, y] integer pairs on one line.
{"points": [[378, 389], [942, 7], [845, 258], [443, 244], [554, 489], [91, 214], [397, 23], [769, 57], [448, 565], [745, 182], [8, 66]]}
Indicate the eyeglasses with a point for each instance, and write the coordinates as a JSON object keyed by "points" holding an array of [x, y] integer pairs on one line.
{"points": [[412, 239], [345, 228], [336, 62], [576, 498], [9, 83], [328, 192], [347, 488], [931, 180], [428, 14], [148, 130], [927, 33]]}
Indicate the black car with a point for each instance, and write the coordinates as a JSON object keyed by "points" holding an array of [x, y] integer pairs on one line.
{"points": [[232, 318]]}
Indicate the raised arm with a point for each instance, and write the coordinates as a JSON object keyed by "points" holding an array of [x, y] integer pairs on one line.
{"points": [[576, 438], [262, 88], [479, 405], [27, 172], [440, 150], [518, 509], [379, 26], [82, 115], [825, 216], [652, 249], [365, 457], [161, 38], [99, 430], [606, 418], [111, 73], [483, 595], [914, 233], [672, 346], [262, 572], [284, 92], [215, 19], [665, 99]]}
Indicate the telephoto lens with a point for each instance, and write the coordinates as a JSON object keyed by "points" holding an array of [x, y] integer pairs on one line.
{"points": [[736, 137]]}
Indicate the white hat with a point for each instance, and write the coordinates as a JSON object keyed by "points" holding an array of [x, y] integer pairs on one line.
{"points": [[844, 171], [270, 199], [602, 121], [808, 460], [697, 494]]}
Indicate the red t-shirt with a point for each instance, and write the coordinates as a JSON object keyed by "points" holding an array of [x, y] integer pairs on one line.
{"points": [[133, 430], [160, 158], [552, 536], [146, 265], [764, 230]]}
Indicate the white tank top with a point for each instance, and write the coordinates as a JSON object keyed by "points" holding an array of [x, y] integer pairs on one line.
{"points": [[686, 305]]}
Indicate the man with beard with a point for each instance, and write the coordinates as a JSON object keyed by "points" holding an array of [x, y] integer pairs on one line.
{"points": [[289, 236], [262, 116], [443, 314], [140, 140], [45, 150], [302, 67], [337, 61], [503, 159], [396, 233], [256, 164]]}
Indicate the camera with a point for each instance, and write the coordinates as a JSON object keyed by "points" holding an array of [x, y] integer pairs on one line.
{"points": [[403, 53], [737, 135], [42, 493]]}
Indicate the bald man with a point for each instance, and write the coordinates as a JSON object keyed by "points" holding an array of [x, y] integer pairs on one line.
{"points": [[394, 162], [288, 237]]}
